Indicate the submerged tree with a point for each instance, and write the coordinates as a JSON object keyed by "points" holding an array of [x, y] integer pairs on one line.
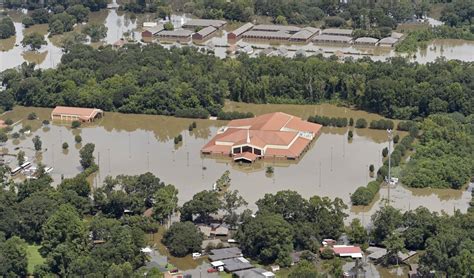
{"points": [[86, 154]]}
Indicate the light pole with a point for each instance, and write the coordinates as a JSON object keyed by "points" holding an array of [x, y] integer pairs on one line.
{"points": [[390, 135]]}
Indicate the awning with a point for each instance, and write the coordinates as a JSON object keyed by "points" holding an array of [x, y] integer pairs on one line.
{"points": [[250, 157]]}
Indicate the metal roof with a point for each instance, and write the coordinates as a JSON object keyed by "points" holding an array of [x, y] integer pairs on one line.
{"points": [[332, 38], [275, 28], [337, 31], [175, 33], [235, 264], [366, 40], [267, 34], [388, 40], [242, 29], [225, 253], [206, 31], [205, 22]]}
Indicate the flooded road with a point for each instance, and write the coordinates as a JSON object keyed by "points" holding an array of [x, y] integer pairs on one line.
{"points": [[134, 144]]}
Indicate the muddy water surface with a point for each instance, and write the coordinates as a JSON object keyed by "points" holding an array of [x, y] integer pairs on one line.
{"points": [[134, 144]]}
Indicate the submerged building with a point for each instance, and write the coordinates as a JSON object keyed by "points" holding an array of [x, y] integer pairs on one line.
{"points": [[274, 135], [76, 113]]}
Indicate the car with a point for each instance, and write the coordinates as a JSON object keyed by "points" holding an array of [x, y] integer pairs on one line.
{"points": [[211, 270], [196, 255]]}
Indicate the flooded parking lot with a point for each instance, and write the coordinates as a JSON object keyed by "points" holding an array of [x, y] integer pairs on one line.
{"points": [[134, 144]]}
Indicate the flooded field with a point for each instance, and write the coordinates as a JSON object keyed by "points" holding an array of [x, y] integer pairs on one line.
{"points": [[134, 144]]}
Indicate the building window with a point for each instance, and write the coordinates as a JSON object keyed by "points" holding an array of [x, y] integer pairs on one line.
{"points": [[257, 151], [236, 150], [246, 149]]}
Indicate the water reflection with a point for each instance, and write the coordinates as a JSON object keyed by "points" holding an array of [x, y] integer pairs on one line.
{"points": [[134, 144]]}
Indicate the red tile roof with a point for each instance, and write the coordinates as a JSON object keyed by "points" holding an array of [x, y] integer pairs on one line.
{"points": [[278, 134], [246, 155]]}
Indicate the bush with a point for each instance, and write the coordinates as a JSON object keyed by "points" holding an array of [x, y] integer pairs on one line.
{"points": [[8, 121], [45, 122], [75, 124], [350, 134], [374, 187], [351, 122], [327, 253], [385, 152], [32, 116], [361, 123], [65, 146], [396, 138], [371, 168], [196, 113], [381, 124], [327, 121], [405, 125], [234, 115], [362, 196], [78, 139]]}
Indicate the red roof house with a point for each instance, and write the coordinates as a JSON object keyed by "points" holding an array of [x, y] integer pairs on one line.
{"points": [[270, 135]]}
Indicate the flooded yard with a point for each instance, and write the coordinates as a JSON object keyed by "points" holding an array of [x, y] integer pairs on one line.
{"points": [[134, 144]]}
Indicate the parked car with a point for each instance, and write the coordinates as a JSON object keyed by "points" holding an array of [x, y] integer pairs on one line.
{"points": [[211, 270]]}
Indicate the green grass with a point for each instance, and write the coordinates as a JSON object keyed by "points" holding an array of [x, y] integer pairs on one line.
{"points": [[34, 257]]}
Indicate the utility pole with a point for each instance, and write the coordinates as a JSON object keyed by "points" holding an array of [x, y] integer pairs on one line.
{"points": [[390, 135]]}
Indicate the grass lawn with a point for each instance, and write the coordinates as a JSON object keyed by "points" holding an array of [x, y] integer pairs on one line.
{"points": [[34, 257]]}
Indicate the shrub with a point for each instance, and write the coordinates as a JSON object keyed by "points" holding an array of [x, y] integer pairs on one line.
{"points": [[362, 196], [32, 116], [197, 113], [385, 152], [75, 124], [374, 187], [227, 116], [45, 122], [381, 124], [65, 145], [350, 134], [371, 168], [405, 125], [78, 139], [396, 138], [327, 253], [8, 121], [361, 123], [351, 122], [327, 121]]}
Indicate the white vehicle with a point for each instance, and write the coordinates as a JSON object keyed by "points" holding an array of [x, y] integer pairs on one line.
{"points": [[48, 170], [196, 255]]}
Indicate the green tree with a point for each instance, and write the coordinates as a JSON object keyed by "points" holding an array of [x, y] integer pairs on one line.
{"points": [[7, 28], [267, 238], [80, 12], [385, 152], [3, 137], [165, 202], [65, 146], [20, 157], [75, 124], [183, 238], [37, 143], [64, 226], [34, 41], [281, 20], [168, 26], [33, 213], [357, 233], [78, 139], [371, 168], [385, 221], [13, 257], [304, 269], [203, 204], [86, 154], [95, 31], [231, 202], [394, 244]]}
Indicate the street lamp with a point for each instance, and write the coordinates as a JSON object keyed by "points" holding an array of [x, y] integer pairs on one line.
{"points": [[390, 136]]}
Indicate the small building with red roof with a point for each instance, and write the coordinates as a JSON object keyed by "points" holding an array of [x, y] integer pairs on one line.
{"points": [[76, 113], [273, 135]]}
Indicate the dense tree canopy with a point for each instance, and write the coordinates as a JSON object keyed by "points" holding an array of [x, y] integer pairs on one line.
{"points": [[183, 238], [161, 81], [7, 29]]}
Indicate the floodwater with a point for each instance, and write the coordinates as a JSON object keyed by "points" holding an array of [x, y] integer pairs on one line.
{"points": [[134, 144], [118, 23]]}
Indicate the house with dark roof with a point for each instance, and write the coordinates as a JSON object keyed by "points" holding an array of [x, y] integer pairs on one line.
{"points": [[225, 253]]}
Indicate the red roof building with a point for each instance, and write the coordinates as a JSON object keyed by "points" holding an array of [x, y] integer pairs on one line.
{"points": [[271, 135], [76, 113]]}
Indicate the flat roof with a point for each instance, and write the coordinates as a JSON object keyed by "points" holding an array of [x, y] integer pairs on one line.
{"points": [[225, 253], [242, 29], [254, 273], [305, 33], [388, 40], [175, 33], [267, 34], [366, 40], [332, 38], [155, 29], [205, 22], [275, 28], [235, 264], [338, 31]]}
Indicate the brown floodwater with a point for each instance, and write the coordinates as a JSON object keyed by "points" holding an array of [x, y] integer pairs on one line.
{"points": [[134, 144]]}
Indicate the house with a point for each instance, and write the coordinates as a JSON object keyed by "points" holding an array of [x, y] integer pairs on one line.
{"points": [[203, 23], [376, 254], [273, 135], [204, 33], [225, 253], [254, 273], [337, 32], [345, 251], [236, 264], [271, 32], [76, 114], [332, 39], [388, 42], [237, 33], [366, 41]]}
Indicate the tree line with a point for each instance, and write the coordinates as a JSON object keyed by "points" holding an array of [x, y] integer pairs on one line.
{"points": [[183, 81]]}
